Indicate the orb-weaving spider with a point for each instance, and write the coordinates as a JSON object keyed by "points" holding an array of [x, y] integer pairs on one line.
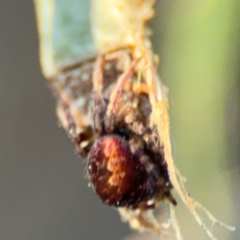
{"points": [[126, 164]]}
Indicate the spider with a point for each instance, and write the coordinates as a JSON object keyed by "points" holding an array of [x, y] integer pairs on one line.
{"points": [[125, 162]]}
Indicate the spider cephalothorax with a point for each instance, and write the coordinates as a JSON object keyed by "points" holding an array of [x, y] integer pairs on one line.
{"points": [[126, 165]]}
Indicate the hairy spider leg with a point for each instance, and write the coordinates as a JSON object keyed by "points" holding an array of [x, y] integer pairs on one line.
{"points": [[116, 94], [123, 57], [64, 106], [98, 108], [97, 75], [78, 138]]}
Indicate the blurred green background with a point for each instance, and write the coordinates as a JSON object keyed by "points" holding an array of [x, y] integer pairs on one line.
{"points": [[198, 43], [43, 189]]}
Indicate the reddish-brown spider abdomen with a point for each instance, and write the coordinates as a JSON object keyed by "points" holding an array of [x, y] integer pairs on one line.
{"points": [[118, 177]]}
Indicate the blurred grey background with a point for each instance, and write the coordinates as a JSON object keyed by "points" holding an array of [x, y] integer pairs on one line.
{"points": [[43, 188]]}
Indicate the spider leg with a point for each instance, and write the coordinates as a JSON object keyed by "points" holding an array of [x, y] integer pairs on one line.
{"points": [[98, 107], [116, 95], [64, 113], [80, 139], [97, 75], [123, 58]]}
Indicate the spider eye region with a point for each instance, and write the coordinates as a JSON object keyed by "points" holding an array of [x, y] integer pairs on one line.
{"points": [[118, 177]]}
